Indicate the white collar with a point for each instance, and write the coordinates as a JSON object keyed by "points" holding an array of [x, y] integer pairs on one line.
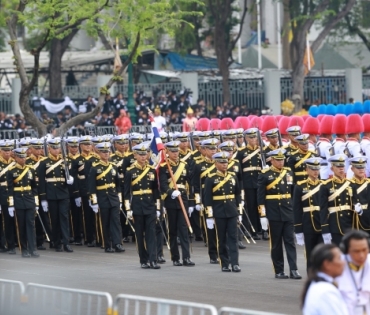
{"points": [[325, 277]]}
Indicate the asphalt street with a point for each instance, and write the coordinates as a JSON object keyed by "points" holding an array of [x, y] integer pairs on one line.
{"points": [[90, 268]]}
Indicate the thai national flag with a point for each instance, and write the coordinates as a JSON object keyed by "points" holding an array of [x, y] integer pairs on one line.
{"points": [[156, 146]]}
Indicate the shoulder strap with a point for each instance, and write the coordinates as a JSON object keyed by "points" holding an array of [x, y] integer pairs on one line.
{"points": [[311, 192], [221, 183], [105, 172], [6, 168], [362, 187], [302, 159], [277, 180], [207, 171], [22, 175], [177, 174], [249, 156], [54, 166], [137, 179], [339, 191]]}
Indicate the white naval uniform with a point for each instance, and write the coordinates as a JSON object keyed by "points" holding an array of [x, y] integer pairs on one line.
{"points": [[354, 148], [356, 303], [323, 298], [339, 145], [365, 147], [324, 147]]}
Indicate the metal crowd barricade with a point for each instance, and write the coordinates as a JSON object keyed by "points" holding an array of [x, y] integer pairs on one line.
{"points": [[46, 300], [11, 297], [141, 305], [239, 311]]}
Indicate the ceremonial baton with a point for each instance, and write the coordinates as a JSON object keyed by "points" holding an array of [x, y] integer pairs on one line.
{"points": [[249, 221], [128, 221], [246, 238], [43, 227], [164, 235], [249, 234]]}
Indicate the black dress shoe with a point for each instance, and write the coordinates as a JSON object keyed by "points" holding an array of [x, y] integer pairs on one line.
{"points": [[3, 249], [92, 244], [265, 236], [256, 237], [59, 248], [226, 269], [35, 254], [67, 248], [213, 261], [126, 240], [281, 275], [294, 274], [41, 247], [78, 243], [236, 268], [11, 251], [161, 260], [119, 248], [109, 250], [154, 265], [241, 245], [145, 266], [198, 239], [188, 262], [25, 254], [177, 263], [51, 245]]}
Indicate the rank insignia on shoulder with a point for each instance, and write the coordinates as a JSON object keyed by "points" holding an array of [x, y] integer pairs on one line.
{"points": [[233, 181], [236, 169], [99, 171], [151, 176], [203, 168], [216, 181], [114, 172], [271, 177]]}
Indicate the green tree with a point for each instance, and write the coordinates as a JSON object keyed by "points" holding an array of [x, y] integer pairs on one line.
{"points": [[135, 21], [303, 15]]}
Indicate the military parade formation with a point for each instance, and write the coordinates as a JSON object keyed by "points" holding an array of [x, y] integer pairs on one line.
{"points": [[286, 180]]}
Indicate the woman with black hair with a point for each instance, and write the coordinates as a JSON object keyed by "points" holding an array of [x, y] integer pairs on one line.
{"points": [[320, 294]]}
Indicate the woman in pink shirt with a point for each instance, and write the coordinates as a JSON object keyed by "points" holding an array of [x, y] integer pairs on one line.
{"points": [[123, 122]]}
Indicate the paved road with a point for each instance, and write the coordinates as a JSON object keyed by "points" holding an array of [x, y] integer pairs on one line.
{"points": [[90, 268]]}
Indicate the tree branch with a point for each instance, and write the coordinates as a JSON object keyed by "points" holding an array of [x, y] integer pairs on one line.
{"points": [[329, 26], [83, 117], [354, 29]]}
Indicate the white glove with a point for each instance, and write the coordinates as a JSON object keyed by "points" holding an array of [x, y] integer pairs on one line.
{"points": [[175, 194], [37, 208], [264, 223], [358, 208], [164, 210], [240, 218], [120, 205], [300, 239], [326, 238], [265, 167], [190, 211], [78, 201], [158, 214], [45, 205], [198, 207], [129, 215], [11, 211], [95, 208], [242, 203], [210, 223], [262, 211], [0, 209], [70, 180]]}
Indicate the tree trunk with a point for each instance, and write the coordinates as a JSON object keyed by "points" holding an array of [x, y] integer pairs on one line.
{"points": [[55, 69], [298, 87], [285, 36]]}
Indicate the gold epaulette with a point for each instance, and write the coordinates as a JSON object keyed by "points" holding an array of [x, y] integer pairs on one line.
{"points": [[265, 170], [10, 168], [287, 168], [232, 173], [242, 148], [131, 167], [234, 160], [95, 164], [211, 174], [324, 182], [163, 164], [152, 167], [300, 182], [198, 161], [294, 152]]}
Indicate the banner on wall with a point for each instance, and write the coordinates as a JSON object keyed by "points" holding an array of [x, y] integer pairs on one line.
{"points": [[56, 108]]}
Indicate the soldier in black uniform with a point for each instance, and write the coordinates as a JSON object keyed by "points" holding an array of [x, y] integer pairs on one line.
{"points": [[361, 191], [272, 138], [74, 196], [142, 204], [234, 166], [297, 158], [84, 163], [54, 194], [121, 146], [22, 196], [249, 158], [36, 147], [293, 132], [275, 207], [336, 204], [105, 190], [176, 220], [6, 162], [306, 207], [202, 168], [223, 206], [129, 159]]}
